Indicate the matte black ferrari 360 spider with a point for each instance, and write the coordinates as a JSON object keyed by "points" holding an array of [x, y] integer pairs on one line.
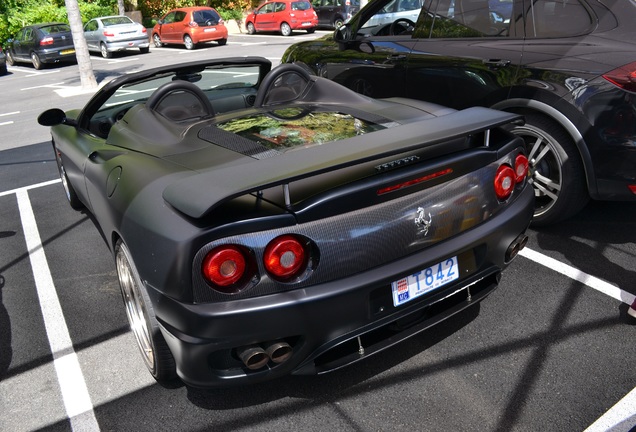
{"points": [[266, 223]]}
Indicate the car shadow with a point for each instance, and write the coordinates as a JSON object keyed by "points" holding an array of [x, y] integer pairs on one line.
{"points": [[6, 351], [598, 241]]}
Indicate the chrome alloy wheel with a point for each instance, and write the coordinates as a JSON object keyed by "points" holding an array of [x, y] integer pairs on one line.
{"points": [[545, 168], [135, 306]]}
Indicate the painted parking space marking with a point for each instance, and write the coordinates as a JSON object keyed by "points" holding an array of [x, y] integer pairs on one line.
{"points": [[10, 122], [573, 273], [77, 401]]}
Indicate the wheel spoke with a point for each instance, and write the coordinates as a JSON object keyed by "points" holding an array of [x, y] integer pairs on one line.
{"points": [[547, 186]]}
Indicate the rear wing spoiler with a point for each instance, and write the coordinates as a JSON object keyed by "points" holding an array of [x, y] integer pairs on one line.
{"points": [[200, 193]]}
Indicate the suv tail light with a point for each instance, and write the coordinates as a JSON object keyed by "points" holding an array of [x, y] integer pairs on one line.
{"points": [[286, 257], [623, 77]]}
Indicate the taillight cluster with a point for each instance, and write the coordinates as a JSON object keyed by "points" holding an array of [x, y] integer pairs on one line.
{"points": [[46, 41], [508, 177], [230, 268], [623, 77]]}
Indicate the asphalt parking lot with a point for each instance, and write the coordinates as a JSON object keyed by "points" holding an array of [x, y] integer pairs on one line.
{"points": [[552, 349]]}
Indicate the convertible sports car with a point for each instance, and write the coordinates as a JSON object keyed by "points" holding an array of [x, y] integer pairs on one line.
{"points": [[270, 222]]}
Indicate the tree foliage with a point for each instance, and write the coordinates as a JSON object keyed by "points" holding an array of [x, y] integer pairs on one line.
{"points": [[15, 14]]}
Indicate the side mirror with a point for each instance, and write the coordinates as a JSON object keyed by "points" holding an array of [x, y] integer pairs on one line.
{"points": [[54, 117], [341, 33]]}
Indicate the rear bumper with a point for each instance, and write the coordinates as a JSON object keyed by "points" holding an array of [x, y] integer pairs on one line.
{"points": [[326, 324], [142, 42], [208, 36], [57, 54]]}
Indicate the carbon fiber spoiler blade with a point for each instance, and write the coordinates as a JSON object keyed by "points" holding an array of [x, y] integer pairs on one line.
{"points": [[200, 193]]}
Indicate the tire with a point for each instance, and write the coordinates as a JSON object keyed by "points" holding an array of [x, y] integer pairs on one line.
{"points": [[35, 59], [156, 40], [104, 51], [337, 23], [188, 42], [154, 349], [311, 31], [285, 29], [556, 170], [222, 42], [250, 28], [71, 195], [10, 60], [145, 50]]}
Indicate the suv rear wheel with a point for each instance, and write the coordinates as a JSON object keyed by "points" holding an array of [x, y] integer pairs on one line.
{"points": [[556, 170]]}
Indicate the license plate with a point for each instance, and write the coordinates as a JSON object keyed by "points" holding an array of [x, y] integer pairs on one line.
{"points": [[207, 30], [69, 51], [424, 281], [306, 24]]}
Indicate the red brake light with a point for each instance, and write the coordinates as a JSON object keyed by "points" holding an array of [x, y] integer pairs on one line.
{"points": [[144, 30], [108, 33], [505, 180], [193, 24], [623, 77], [285, 257], [521, 168], [224, 266], [46, 41], [415, 181]]}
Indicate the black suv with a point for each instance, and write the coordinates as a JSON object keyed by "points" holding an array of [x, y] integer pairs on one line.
{"points": [[334, 13], [568, 65]]}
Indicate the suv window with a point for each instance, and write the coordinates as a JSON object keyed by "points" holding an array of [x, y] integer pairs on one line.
{"points": [[460, 19], [550, 18]]}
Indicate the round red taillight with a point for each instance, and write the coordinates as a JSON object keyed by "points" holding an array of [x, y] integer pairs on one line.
{"points": [[521, 168], [285, 257], [504, 181], [224, 266]]}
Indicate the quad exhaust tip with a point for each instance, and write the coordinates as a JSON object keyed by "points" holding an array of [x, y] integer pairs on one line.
{"points": [[255, 357]]}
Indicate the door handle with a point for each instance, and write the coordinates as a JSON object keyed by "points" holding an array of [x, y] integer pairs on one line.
{"points": [[394, 57], [496, 63]]}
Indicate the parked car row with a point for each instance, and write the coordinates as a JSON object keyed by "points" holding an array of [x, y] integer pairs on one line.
{"points": [[568, 67], [44, 43]]}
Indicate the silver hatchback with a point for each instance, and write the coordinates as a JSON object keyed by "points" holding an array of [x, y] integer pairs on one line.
{"points": [[115, 33]]}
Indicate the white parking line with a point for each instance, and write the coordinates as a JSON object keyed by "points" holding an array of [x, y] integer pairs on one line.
{"points": [[11, 113], [577, 275], [77, 401]]}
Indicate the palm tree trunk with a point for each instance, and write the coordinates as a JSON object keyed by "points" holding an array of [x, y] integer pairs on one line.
{"points": [[87, 77]]}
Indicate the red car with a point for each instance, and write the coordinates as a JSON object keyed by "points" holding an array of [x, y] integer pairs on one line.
{"points": [[282, 16], [190, 26]]}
